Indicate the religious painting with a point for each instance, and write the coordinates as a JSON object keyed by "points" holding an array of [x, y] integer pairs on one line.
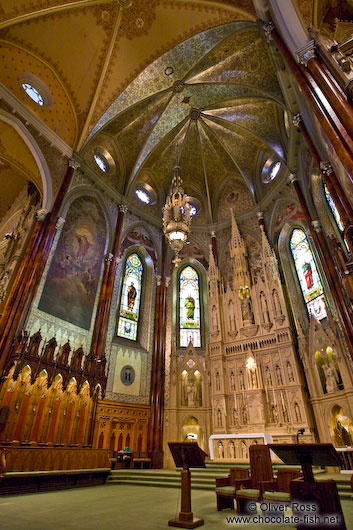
{"points": [[236, 195], [191, 251], [308, 275], [130, 298], [70, 289], [289, 212], [139, 236], [189, 308]]}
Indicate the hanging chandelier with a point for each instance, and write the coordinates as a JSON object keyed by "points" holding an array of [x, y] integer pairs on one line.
{"points": [[176, 215]]}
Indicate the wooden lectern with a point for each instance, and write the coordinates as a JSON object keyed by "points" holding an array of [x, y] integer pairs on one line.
{"points": [[323, 493], [186, 455]]}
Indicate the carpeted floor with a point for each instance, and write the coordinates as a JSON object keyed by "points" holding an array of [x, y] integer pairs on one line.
{"points": [[118, 507]]}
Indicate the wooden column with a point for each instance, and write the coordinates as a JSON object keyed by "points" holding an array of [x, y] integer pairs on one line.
{"points": [[99, 337], [327, 264], [325, 113], [328, 176], [24, 288], [158, 366]]}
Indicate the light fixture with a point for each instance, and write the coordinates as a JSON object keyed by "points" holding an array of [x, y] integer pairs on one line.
{"points": [[176, 215]]}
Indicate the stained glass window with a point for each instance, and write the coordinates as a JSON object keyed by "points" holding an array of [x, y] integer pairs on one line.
{"points": [[308, 275], [130, 298], [189, 307], [334, 210]]}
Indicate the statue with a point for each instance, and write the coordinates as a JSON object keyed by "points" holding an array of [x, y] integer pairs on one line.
{"points": [[290, 372], [330, 378], [264, 308], [190, 307], [232, 450], [298, 416], [191, 394], [218, 385], [252, 376], [231, 316], [131, 295], [214, 318], [220, 450], [268, 376], [219, 418], [244, 415], [279, 375], [246, 309], [276, 302], [235, 417], [285, 413], [274, 415], [232, 381], [244, 450], [342, 436], [241, 379]]}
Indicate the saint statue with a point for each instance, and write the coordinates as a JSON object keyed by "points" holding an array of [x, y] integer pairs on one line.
{"points": [[297, 413], [131, 295], [290, 372], [268, 376], [246, 309], [220, 450], [190, 307], [232, 450], [241, 379], [244, 450], [218, 385], [214, 318], [274, 415], [232, 381], [219, 418], [244, 414], [279, 375], [235, 417], [191, 394], [330, 377]]}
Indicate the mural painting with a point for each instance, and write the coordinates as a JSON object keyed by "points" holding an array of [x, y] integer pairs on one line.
{"points": [[139, 236], [71, 285], [291, 211]]}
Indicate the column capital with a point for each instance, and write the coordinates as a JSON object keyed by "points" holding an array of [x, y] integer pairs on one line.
{"points": [[268, 28], [260, 215], [41, 214], [326, 168], [316, 225], [306, 53], [296, 120], [108, 258], [293, 178], [158, 279], [74, 164], [122, 208], [167, 281], [213, 233], [59, 223]]}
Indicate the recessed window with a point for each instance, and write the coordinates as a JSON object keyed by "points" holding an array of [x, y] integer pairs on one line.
{"points": [[33, 93], [271, 170], [195, 205], [145, 193], [193, 210], [101, 163], [143, 196]]}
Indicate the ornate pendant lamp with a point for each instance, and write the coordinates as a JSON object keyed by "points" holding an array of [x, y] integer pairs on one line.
{"points": [[176, 215]]}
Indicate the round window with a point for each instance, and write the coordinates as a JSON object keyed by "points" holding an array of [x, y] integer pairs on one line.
{"points": [[33, 93], [127, 375], [101, 163]]}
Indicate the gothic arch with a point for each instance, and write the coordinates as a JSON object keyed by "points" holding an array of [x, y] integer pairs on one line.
{"points": [[22, 131]]}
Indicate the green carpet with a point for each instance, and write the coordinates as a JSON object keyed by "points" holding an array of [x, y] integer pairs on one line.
{"points": [[117, 507]]}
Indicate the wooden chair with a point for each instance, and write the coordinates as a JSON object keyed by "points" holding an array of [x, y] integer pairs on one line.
{"points": [[141, 460], [278, 491], [260, 471], [225, 487]]}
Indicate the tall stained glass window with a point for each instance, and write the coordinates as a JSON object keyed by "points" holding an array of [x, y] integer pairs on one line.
{"points": [[333, 208], [308, 275], [189, 307], [130, 298]]}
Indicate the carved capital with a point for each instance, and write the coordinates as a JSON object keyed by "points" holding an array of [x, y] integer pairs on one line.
{"points": [[260, 215], [293, 178], [108, 258], [268, 28], [59, 223], [158, 279], [122, 208], [167, 281], [316, 225], [306, 53], [296, 120], [74, 164], [326, 168], [213, 233], [41, 214]]}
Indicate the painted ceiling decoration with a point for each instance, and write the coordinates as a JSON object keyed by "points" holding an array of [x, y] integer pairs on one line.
{"points": [[212, 104]]}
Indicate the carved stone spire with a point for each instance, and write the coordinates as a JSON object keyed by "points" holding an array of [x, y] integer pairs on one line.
{"points": [[238, 252], [213, 271], [269, 259]]}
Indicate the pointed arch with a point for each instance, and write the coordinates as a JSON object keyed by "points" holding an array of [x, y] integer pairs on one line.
{"points": [[189, 307], [130, 297]]}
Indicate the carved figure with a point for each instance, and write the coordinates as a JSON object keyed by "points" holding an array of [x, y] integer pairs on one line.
{"points": [[274, 415], [235, 417], [264, 308], [131, 295], [232, 381], [214, 318], [330, 378], [244, 450], [241, 379], [276, 302], [268, 376], [290, 372], [232, 449], [231, 316], [246, 309], [219, 418], [218, 384], [244, 414], [220, 450], [298, 416], [191, 394], [279, 375]]}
